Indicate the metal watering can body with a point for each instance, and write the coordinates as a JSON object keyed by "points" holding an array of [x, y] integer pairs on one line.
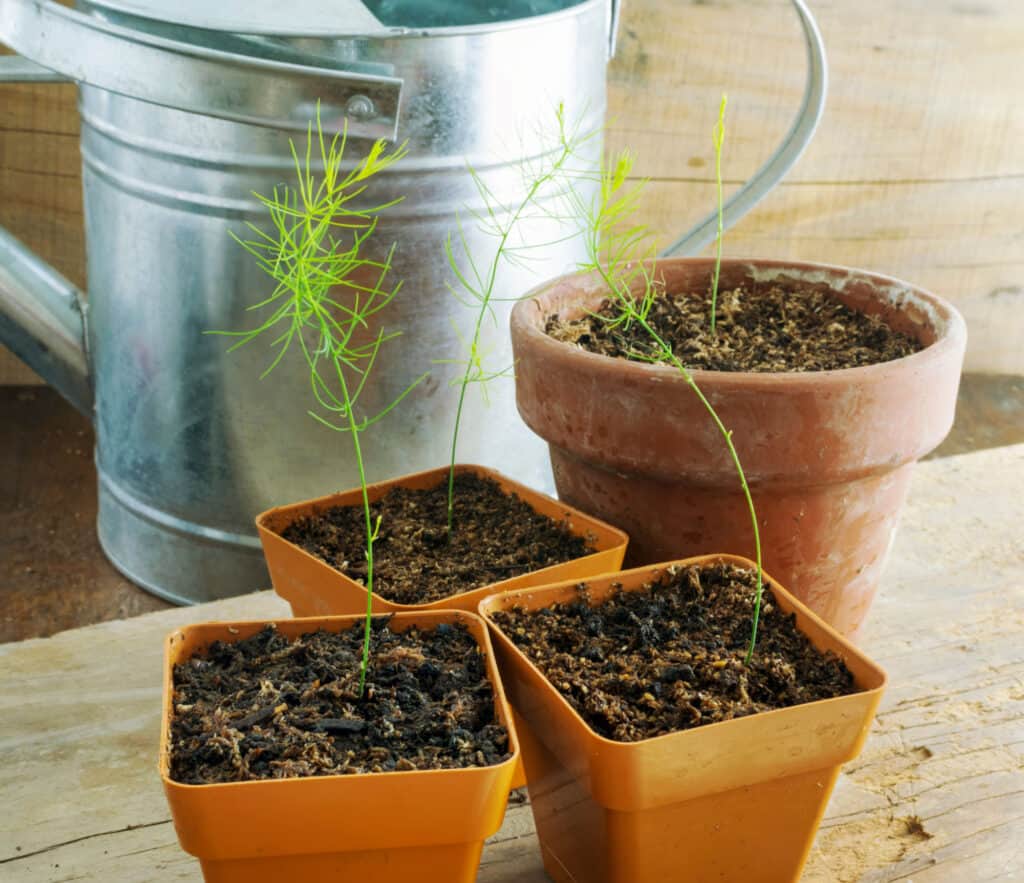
{"points": [[182, 122]]}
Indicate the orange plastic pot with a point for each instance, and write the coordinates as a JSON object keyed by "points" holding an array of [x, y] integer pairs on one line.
{"points": [[314, 588], [738, 800], [828, 454], [375, 828]]}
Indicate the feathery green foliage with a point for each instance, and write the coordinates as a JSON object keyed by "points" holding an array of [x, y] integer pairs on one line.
{"points": [[619, 251], [327, 294], [475, 284], [719, 139]]}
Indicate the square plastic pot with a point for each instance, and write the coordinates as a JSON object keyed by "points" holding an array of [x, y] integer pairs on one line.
{"points": [[737, 800], [314, 588], [375, 828]]}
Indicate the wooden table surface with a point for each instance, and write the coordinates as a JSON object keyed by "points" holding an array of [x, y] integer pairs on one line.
{"points": [[937, 795]]}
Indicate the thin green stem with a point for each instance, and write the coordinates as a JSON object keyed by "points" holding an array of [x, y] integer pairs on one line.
{"points": [[451, 465], [719, 138], [619, 273], [326, 294], [727, 438], [667, 355], [370, 533], [483, 292], [472, 361]]}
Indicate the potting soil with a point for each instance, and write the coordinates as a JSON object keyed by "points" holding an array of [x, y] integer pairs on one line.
{"points": [[268, 707], [765, 329], [495, 536], [671, 657]]}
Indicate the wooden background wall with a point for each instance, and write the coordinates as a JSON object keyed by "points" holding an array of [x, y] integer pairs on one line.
{"points": [[916, 171]]}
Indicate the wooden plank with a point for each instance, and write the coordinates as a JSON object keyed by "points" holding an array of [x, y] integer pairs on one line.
{"points": [[936, 795], [947, 749], [916, 89]]}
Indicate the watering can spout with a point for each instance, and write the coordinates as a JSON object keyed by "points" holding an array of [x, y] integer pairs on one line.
{"points": [[42, 321]]}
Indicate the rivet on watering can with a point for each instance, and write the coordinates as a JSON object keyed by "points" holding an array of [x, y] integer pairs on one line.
{"points": [[360, 107]]}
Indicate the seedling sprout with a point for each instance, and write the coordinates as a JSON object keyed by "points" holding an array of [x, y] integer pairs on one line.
{"points": [[474, 285], [719, 140], [327, 295], [620, 251]]}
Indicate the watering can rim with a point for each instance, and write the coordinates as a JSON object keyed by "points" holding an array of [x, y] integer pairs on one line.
{"points": [[162, 65], [368, 25]]}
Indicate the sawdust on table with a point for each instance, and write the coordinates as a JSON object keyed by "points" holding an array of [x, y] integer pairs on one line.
{"points": [[847, 851]]}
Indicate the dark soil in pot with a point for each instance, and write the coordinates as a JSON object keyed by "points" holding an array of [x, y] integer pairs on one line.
{"points": [[671, 657], [268, 707], [495, 536], [759, 329]]}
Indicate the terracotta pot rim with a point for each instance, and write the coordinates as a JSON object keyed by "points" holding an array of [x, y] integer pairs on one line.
{"points": [[441, 616], [615, 745], [439, 604], [528, 324]]}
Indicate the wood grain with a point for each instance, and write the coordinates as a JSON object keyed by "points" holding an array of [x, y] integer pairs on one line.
{"points": [[916, 170], [936, 795]]}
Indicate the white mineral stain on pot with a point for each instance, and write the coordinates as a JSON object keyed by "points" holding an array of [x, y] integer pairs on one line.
{"points": [[894, 293]]}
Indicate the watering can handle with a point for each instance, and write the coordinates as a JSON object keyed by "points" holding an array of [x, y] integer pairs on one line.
{"points": [[774, 170], [243, 88]]}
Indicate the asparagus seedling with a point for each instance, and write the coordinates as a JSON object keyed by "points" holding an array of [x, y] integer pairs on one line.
{"points": [[327, 295], [719, 140], [619, 252], [475, 285]]}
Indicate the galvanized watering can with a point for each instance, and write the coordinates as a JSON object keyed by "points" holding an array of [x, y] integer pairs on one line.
{"points": [[187, 109]]}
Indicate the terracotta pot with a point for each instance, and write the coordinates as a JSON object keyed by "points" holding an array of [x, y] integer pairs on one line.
{"points": [[314, 588], [375, 828], [737, 800], [828, 454]]}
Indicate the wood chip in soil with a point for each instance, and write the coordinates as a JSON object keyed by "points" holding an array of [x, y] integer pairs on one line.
{"points": [[495, 536], [671, 657], [763, 329], [270, 708]]}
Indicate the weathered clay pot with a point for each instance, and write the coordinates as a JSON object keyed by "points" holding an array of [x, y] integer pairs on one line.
{"points": [[828, 454]]}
